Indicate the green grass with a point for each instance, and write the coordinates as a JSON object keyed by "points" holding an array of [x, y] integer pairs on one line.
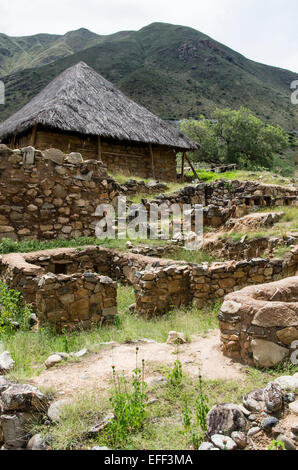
{"points": [[10, 246], [163, 428], [266, 177], [30, 349], [197, 257], [287, 224]]}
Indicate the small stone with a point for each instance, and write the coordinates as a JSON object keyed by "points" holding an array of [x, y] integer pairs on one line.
{"points": [[206, 446], [239, 438], [253, 431], [53, 360], [268, 423], [254, 401], [132, 308], [157, 381], [36, 443], [81, 353], [289, 444], [100, 448], [287, 382], [176, 337], [230, 307], [223, 442], [289, 397], [276, 431], [74, 158], [63, 355], [6, 362], [56, 409], [252, 418], [294, 429], [294, 407], [102, 424], [273, 397]]}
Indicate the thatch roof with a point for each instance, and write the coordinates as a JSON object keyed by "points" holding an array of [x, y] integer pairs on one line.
{"points": [[81, 100]]}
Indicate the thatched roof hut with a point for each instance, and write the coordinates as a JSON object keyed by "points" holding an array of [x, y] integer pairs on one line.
{"points": [[82, 104]]}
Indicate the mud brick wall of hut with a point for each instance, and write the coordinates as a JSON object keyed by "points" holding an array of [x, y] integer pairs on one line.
{"points": [[50, 199], [130, 158]]}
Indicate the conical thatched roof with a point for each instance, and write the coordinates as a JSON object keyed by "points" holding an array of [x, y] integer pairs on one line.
{"points": [[81, 100]]}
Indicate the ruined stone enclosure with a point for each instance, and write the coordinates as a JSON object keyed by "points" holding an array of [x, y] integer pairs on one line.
{"points": [[259, 324], [49, 195], [75, 288]]}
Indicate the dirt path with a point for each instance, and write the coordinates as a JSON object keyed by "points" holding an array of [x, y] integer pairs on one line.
{"points": [[94, 372]]}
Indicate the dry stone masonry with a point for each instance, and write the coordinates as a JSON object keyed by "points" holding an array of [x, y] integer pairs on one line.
{"points": [[159, 284], [259, 324], [46, 195], [76, 301]]}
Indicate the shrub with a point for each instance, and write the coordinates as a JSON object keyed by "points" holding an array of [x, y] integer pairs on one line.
{"points": [[128, 406], [12, 309]]}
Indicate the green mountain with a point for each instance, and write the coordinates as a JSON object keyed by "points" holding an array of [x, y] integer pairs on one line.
{"points": [[174, 71]]}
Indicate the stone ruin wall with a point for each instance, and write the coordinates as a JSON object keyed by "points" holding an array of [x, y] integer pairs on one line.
{"points": [[223, 200], [227, 193], [259, 324], [159, 284], [75, 301], [158, 288], [50, 195]]}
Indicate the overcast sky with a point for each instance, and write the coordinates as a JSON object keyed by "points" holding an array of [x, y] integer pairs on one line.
{"points": [[262, 30]]}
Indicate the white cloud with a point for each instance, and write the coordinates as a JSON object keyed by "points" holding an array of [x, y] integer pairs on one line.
{"points": [[263, 30]]}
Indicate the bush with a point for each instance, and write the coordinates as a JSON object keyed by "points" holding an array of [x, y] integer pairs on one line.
{"points": [[12, 309], [128, 406]]}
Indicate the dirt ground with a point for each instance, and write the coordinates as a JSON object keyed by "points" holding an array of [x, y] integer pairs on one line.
{"points": [[95, 370]]}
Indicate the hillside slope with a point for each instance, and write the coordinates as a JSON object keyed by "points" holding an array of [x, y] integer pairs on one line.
{"points": [[174, 71]]}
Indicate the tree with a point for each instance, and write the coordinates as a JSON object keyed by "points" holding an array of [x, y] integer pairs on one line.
{"points": [[236, 136], [247, 139], [202, 131]]}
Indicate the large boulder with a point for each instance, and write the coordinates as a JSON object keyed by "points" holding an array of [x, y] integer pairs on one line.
{"points": [[19, 397], [225, 419], [55, 155], [267, 354], [6, 362], [15, 435]]}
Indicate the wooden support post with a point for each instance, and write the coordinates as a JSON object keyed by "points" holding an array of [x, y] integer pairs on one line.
{"points": [[33, 136], [99, 148], [152, 161], [12, 141], [182, 167], [191, 166]]}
